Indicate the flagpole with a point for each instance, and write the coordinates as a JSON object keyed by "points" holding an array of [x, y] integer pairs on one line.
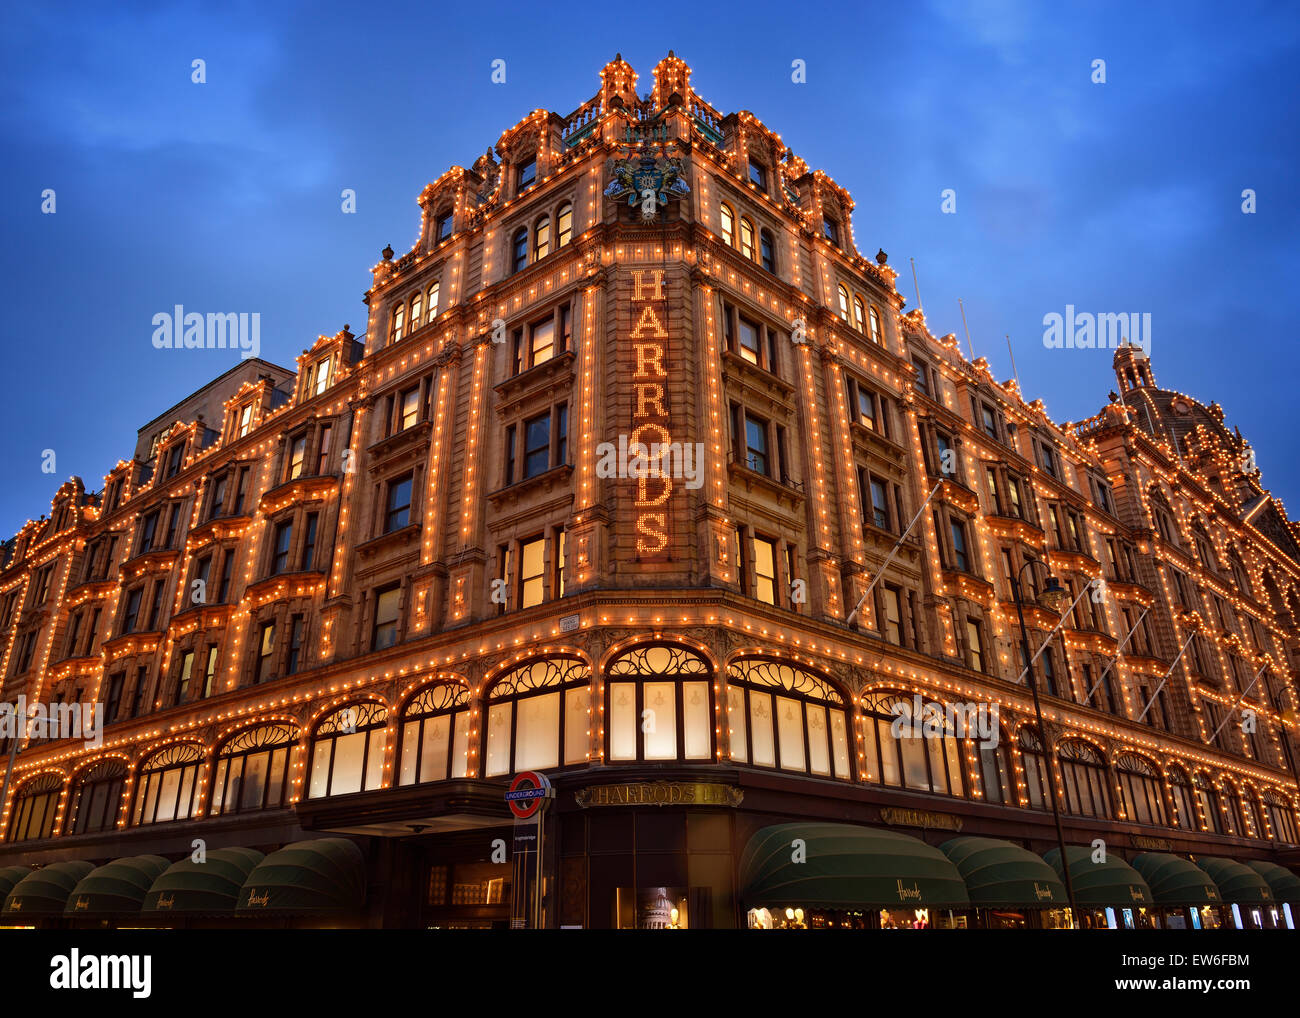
{"points": [[1165, 678], [1233, 709], [890, 557], [1119, 653]]}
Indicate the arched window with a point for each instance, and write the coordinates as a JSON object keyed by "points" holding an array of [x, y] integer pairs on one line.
{"points": [[541, 238], [1208, 798], [746, 238], [1181, 792], [1233, 821], [785, 717], [859, 314], [1281, 817], [1139, 785], [347, 751], [97, 797], [253, 770], [844, 302], [32, 814], [168, 785], [399, 321], [659, 705], [435, 735], [907, 753], [1034, 762], [767, 249], [728, 224], [1084, 774], [875, 327], [519, 249], [433, 301], [997, 774], [538, 717], [417, 308], [564, 225]]}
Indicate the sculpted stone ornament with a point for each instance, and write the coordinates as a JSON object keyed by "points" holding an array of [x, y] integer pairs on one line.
{"points": [[648, 182]]}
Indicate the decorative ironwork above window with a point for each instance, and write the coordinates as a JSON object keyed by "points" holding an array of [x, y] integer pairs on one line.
{"points": [[761, 672], [551, 671], [659, 659], [349, 718], [438, 697], [178, 753], [260, 737]]}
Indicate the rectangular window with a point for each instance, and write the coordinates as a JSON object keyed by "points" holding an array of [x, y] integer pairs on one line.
{"points": [[409, 413], [183, 680], [527, 175], [831, 231], [323, 455], [323, 374], [245, 419], [210, 673], [265, 651], [974, 646], [114, 702], [922, 382], [988, 420], [532, 569], [561, 434], [541, 342], [879, 504], [387, 602], [765, 570], [442, 228], [148, 529], [758, 175], [961, 559], [309, 542], [559, 562], [510, 455], [750, 344], [297, 457], [132, 613], [756, 456], [283, 538], [227, 568], [297, 628], [537, 445], [893, 616], [398, 513]]}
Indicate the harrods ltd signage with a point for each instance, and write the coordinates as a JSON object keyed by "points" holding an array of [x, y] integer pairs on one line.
{"points": [[660, 793]]}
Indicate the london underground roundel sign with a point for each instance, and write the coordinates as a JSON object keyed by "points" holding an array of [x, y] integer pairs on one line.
{"points": [[527, 793]]}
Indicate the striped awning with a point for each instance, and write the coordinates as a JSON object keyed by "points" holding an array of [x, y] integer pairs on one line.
{"points": [[118, 886], [1176, 881], [999, 874], [209, 887], [44, 892], [1113, 882], [308, 877]]}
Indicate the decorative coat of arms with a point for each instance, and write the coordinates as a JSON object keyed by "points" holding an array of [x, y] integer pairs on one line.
{"points": [[648, 182]]}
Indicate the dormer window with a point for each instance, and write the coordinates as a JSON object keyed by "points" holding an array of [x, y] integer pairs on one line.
{"points": [[322, 375], [758, 175], [245, 419], [831, 231], [527, 175], [174, 458], [442, 228]]}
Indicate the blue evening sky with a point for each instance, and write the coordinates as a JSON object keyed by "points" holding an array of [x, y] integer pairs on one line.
{"points": [[225, 196]]}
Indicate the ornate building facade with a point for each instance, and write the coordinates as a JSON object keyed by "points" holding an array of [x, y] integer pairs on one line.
{"points": [[381, 586]]}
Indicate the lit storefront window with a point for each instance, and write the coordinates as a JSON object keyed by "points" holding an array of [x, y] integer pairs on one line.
{"points": [[168, 785], [347, 751], [660, 705], [97, 797], [908, 760], [788, 718], [34, 806], [252, 770], [435, 735], [537, 717]]}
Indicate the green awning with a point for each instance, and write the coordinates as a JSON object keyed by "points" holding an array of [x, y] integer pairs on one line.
{"points": [[1284, 884], [210, 887], [44, 892], [324, 875], [1113, 882], [843, 866], [10, 875], [999, 874], [118, 886], [1176, 881], [1237, 883]]}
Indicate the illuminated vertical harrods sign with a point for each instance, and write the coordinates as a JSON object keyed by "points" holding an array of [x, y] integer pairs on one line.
{"points": [[651, 441]]}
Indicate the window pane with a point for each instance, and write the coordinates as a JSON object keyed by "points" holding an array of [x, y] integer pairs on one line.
{"points": [[254, 781], [889, 752], [869, 752], [320, 756], [660, 728], [346, 772], [840, 743], [914, 771], [575, 724], [275, 781], [736, 719], [622, 721], [219, 787], [789, 726], [695, 712], [760, 724], [460, 746], [819, 758], [498, 740], [406, 768], [937, 771], [375, 759], [433, 754], [537, 739]]}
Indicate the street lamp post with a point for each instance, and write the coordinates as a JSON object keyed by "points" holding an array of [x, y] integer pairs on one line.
{"points": [[1053, 597]]}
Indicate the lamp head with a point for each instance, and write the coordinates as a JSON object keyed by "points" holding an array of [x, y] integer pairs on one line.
{"points": [[1054, 596]]}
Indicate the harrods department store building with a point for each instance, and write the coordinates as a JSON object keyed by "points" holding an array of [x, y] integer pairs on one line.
{"points": [[331, 612]]}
